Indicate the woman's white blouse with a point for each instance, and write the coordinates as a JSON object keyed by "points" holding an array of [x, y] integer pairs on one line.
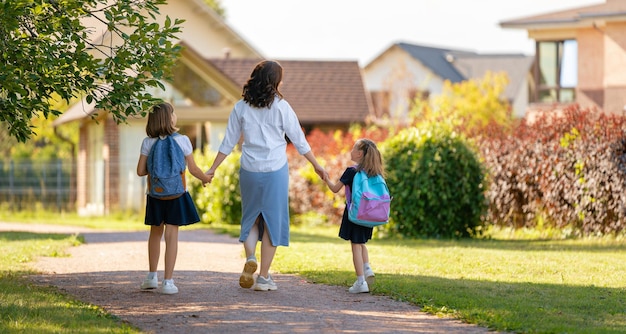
{"points": [[263, 130]]}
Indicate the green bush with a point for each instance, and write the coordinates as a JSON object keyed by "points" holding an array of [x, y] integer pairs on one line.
{"points": [[219, 201], [437, 184]]}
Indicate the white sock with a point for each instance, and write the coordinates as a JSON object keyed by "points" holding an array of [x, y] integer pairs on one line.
{"points": [[152, 275], [366, 266], [168, 281], [360, 279]]}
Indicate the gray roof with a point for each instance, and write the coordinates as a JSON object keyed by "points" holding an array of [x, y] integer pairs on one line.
{"points": [[435, 59], [460, 65], [516, 66]]}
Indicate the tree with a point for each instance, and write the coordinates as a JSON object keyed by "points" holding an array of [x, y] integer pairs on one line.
{"points": [[107, 52], [468, 106]]}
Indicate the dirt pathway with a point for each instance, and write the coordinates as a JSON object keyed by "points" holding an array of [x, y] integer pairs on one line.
{"points": [[107, 269]]}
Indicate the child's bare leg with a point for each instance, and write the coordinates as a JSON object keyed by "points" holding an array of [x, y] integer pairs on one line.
{"points": [[365, 256], [357, 258], [171, 249], [154, 246]]}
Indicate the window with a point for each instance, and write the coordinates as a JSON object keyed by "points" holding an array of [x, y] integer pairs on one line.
{"points": [[556, 71]]}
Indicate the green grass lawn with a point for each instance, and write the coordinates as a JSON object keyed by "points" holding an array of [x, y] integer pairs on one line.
{"points": [[26, 308], [527, 286], [514, 284]]}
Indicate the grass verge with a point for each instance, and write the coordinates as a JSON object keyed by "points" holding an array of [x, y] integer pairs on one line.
{"points": [[26, 308]]}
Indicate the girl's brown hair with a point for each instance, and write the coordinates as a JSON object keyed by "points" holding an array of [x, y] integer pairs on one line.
{"points": [[262, 87], [160, 121], [372, 162]]}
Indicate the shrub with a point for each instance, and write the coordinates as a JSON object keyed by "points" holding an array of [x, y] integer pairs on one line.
{"points": [[564, 169], [437, 184]]}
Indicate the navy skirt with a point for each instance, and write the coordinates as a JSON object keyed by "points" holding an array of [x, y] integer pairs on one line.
{"points": [[352, 232], [179, 211]]}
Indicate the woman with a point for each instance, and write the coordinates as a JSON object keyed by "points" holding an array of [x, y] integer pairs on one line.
{"points": [[264, 118]]}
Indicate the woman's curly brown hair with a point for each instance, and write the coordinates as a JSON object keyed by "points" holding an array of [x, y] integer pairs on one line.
{"points": [[262, 87]]}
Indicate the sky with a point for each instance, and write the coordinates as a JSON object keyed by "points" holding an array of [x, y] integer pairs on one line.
{"points": [[362, 29]]}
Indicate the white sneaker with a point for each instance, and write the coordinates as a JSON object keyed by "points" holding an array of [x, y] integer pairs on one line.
{"points": [[369, 276], [150, 283], [168, 287], [359, 287], [265, 284]]}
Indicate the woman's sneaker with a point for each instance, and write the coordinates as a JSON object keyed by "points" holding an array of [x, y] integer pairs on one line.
{"points": [[150, 283], [246, 280], [359, 287], [265, 284], [369, 276], [168, 287]]}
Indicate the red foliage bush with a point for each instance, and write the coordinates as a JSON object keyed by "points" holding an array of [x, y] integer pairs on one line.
{"points": [[567, 167], [332, 149]]}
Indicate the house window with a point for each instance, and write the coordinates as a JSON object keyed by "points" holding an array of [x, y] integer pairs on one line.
{"points": [[556, 71], [195, 88]]}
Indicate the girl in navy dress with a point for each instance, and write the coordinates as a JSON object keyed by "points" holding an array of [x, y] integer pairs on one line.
{"points": [[367, 158]]}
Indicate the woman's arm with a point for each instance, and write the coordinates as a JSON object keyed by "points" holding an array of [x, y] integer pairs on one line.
{"points": [[318, 168]]}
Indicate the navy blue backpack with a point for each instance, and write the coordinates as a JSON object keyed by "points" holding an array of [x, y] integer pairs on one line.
{"points": [[166, 169]]}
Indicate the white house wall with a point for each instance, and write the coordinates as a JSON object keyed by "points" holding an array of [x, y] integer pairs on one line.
{"points": [[398, 65], [208, 36], [131, 187], [520, 103], [95, 170], [398, 73]]}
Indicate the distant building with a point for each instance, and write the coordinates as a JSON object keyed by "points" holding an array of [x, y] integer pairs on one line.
{"points": [[405, 71], [581, 57]]}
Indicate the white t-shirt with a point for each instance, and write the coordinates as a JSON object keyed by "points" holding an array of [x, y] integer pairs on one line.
{"points": [[182, 141], [264, 145]]}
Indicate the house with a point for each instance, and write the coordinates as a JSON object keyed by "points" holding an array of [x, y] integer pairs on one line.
{"points": [[581, 56], [207, 80], [407, 71]]}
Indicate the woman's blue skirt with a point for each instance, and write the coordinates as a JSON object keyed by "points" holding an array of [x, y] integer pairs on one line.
{"points": [[266, 195]]}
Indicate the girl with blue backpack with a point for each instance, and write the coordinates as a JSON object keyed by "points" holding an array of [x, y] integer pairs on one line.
{"points": [[164, 157], [369, 160]]}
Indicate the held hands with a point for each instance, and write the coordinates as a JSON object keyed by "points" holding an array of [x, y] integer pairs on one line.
{"points": [[321, 172], [210, 174]]}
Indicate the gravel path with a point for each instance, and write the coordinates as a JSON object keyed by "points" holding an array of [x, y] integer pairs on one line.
{"points": [[107, 269]]}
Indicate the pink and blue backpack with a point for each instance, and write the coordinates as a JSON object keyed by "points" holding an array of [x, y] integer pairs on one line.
{"points": [[369, 201]]}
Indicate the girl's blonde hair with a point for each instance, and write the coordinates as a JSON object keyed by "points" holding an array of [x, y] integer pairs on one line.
{"points": [[372, 162], [160, 121]]}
